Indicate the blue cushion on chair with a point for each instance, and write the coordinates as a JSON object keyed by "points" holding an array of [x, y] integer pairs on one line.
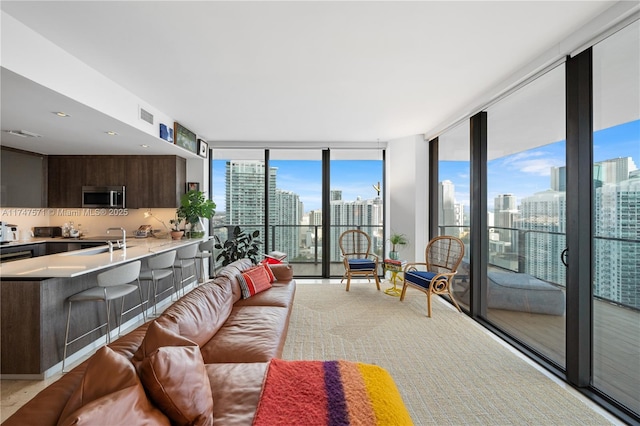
{"points": [[421, 278], [361, 264]]}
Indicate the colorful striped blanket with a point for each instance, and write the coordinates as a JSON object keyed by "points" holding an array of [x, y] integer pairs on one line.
{"points": [[329, 393]]}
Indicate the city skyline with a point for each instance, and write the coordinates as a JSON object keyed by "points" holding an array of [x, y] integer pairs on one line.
{"points": [[355, 178], [525, 173], [522, 174]]}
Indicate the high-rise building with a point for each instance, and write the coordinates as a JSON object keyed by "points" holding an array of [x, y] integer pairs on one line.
{"points": [[450, 213], [617, 262], [364, 214], [559, 178], [244, 185], [613, 171], [447, 201], [505, 216], [543, 225], [288, 216]]}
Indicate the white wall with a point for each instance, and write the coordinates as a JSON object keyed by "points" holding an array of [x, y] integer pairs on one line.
{"points": [[407, 197], [38, 59]]}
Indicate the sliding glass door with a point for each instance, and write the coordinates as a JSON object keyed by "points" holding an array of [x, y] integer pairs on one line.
{"points": [[616, 214], [454, 200], [526, 199], [294, 205], [355, 199]]}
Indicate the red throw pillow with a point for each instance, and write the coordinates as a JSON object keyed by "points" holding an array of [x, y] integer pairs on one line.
{"points": [[269, 272], [253, 281]]}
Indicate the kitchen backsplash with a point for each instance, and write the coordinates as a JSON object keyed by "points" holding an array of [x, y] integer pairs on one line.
{"points": [[90, 221]]}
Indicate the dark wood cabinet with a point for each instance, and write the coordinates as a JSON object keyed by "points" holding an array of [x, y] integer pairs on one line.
{"points": [[154, 181], [102, 170], [65, 179]]}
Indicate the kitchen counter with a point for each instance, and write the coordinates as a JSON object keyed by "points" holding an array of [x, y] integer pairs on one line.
{"points": [[80, 262], [33, 302]]}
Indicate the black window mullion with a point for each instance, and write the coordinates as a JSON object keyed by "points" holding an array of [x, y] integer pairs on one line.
{"points": [[579, 125], [479, 244], [434, 207]]}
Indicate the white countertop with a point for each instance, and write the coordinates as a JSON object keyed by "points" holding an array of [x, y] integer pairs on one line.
{"points": [[80, 262]]}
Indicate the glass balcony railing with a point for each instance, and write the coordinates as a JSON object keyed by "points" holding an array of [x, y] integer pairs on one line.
{"points": [[304, 244]]}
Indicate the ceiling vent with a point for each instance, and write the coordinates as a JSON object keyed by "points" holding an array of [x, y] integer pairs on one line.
{"points": [[23, 133], [146, 116]]}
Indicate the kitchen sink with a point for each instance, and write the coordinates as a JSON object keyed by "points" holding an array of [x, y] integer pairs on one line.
{"points": [[93, 251]]}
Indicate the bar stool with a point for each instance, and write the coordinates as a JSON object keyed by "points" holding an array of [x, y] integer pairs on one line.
{"points": [[205, 251], [112, 284], [159, 267], [185, 258]]}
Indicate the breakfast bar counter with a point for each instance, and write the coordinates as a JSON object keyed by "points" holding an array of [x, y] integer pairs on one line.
{"points": [[33, 294]]}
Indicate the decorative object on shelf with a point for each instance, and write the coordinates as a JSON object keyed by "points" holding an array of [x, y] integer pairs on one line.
{"points": [[185, 138], [203, 148], [166, 133], [147, 215], [239, 246], [396, 240], [176, 232], [194, 207], [192, 186]]}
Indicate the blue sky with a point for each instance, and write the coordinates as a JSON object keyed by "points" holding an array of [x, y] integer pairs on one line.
{"points": [[526, 173], [521, 174]]}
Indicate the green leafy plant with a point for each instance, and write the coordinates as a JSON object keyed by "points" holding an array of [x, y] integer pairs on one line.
{"points": [[175, 223], [398, 240], [239, 246], [193, 206]]}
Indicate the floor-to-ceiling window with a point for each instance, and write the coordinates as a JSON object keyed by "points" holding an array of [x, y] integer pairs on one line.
{"points": [[526, 202], [295, 206], [616, 210], [291, 192], [356, 199], [454, 199], [238, 183]]}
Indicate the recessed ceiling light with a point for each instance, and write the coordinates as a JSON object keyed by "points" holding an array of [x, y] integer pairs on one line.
{"points": [[144, 146], [23, 133], [112, 133], [62, 114]]}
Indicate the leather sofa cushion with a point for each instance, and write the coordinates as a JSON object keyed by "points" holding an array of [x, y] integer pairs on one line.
{"points": [[251, 334], [236, 390], [110, 393], [231, 271], [129, 343], [283, 272], [200, 313], [278, 295], [173, 373]]}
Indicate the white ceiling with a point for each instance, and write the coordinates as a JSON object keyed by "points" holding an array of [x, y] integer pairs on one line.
{"points": [[285, 71]]}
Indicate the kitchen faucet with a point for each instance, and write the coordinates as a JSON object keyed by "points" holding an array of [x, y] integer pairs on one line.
{"points": [[124, 238]]}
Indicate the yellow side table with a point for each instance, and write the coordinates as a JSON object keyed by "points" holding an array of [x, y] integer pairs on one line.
{"points": [[395, 267]]}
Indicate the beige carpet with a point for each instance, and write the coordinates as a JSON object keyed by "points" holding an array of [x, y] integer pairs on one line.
{"points": [[447, 368]]}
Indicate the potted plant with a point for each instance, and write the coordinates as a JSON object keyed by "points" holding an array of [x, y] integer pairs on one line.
{"points": [[176, 232], [193, 207], [396, 240], [239, 246]]}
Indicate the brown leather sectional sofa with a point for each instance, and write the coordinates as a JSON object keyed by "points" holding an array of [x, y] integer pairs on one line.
{"points": [[236, 338]]}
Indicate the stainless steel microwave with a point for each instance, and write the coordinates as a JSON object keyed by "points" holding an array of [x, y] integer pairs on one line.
{"points": [[103, 196]]}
